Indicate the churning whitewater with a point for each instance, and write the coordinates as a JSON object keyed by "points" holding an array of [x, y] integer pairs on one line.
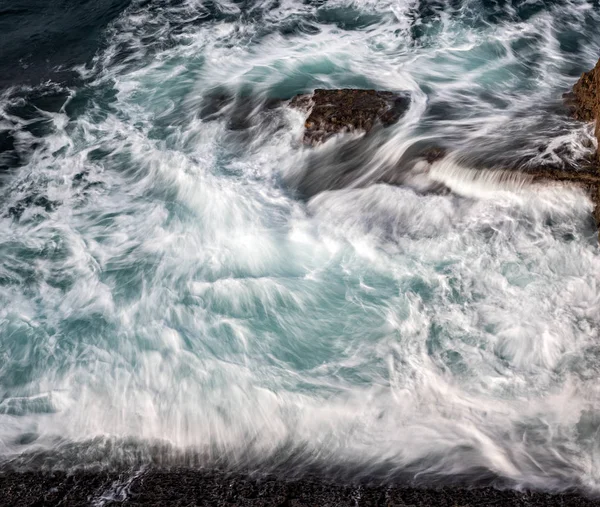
{"points": [[182, 279]]}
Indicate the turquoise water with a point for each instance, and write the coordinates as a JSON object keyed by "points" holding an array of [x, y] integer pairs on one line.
{"points": [[163, 282]]}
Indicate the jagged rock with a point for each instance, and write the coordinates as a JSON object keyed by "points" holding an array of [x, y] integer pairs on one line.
{"points": [[347, 110], [586, 99]]}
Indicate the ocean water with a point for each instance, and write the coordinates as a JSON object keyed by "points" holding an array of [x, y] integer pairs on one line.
{"points": [[182, 281]]}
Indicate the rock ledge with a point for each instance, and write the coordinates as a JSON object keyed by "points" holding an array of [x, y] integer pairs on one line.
{"points": [[586, 99], [348, 110]]}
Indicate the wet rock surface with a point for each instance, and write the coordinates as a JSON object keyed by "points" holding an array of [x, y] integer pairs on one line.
{"points": [[332, 112], [585, 99], [187, 487], [585, 102]]}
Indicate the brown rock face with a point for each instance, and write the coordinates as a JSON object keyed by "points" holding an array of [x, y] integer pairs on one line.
{"points": [[586, 99], [586, 102], [348, 110]]}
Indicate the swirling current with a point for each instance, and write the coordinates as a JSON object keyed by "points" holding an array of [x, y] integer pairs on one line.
{"points": [[183, 281]]}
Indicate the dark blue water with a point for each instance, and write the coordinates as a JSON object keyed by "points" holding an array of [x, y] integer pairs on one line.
{"points": [[42, 40], [167, 293]]}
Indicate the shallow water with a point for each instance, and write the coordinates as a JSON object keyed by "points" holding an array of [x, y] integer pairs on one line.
{"points": [[167, 286]]}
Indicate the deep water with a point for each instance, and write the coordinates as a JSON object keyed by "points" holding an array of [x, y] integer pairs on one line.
{"points": [[170, 292]]}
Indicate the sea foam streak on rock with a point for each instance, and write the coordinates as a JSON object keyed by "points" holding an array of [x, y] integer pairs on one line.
{"points": [[477, 182]]}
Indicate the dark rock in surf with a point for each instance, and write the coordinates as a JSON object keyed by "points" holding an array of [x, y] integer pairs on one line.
{"points": [[350, 164], [238, 112], [332, 112], [585, 99]]}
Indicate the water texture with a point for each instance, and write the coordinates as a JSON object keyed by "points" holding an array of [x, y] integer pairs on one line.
{"points": [[167, 289]]}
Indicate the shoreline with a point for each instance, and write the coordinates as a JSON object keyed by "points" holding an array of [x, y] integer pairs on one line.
{"points": [[187, 486]]}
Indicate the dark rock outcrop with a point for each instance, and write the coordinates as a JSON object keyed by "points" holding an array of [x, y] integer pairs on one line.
{"points": [[586, 99], [347, 110]]}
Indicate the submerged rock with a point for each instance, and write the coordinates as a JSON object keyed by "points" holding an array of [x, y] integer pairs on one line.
{"points": [[332, 112], [585, 99]]}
